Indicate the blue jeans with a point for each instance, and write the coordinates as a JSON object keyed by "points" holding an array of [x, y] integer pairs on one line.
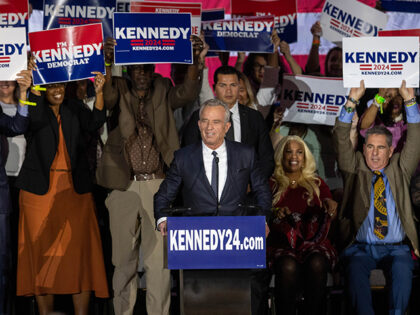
{"points": [[396, 262]]}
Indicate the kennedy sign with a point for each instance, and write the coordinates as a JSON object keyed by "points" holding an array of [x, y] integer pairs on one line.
{"points": [[12, 52], [381, 61], [13, 13], [350, 18], [216, 242]]}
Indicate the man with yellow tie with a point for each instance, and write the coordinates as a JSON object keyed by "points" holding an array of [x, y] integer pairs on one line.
{"points": [[376, 218]]}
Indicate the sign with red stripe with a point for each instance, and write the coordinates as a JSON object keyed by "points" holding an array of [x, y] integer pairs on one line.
{"points": [[13, 52]]}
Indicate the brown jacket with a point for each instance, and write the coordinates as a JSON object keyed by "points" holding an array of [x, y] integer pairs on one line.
{"points": [[358, 183], [113, 171]]}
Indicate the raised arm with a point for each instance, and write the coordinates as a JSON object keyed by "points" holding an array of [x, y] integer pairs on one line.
{"points": [[312, 65]]}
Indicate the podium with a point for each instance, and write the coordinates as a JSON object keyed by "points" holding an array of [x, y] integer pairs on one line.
{"points": [[216, 256]]}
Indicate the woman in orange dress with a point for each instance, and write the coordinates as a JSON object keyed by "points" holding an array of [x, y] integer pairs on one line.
{"points": [[60, 249]]}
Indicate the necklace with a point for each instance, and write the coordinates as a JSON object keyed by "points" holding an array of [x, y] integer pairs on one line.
{"points": [[293, 182]]}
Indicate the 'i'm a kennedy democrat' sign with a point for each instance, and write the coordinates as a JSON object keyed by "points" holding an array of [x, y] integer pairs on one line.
{"points": [[13, 52], [381, 61], [216, 242], [13, 13], [152, 38], [285, 13], [247, 34], [66, 54], [65, 13], [350, 18], [312, 100]]}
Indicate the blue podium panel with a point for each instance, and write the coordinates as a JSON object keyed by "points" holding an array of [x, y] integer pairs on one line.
{"points": [[216, 242]]}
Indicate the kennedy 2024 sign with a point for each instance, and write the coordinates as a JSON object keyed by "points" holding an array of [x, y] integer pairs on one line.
{"points": [[381, 61], [284, 12], [67, 13], [312, 100], [12, 52], [13, 13], [152, 38], [66, 54], [350, 18]]}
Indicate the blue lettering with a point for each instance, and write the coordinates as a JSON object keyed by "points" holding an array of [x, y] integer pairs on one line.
{"points": [[308, 97], [334, 12], [340, 100], [392, 57], [298, 95], [350, 20], [370, 57], [412, 56], [359, 57], [327, 7], [358, 25], [381, 56], [342, 16], [402, 57], [330, 99], [320, 98], [349, 57], [11, 49], [367, 28]]}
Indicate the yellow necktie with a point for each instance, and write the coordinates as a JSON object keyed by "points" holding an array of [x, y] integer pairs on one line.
{"points": [[380, 212]]}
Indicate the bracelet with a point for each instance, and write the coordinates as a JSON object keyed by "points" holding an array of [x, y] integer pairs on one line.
{"points": [[355, 102], [38, 88], [410, 101], [27, 103], [316, 42], [108, 64], [379, 99]]}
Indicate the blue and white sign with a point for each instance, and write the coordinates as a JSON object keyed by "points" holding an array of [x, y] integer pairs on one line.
{"points": [[210, 15], [245, 34], [382, 62], [152, 38], [312, 100], [401, 5], [65, 13], [344, 18], [216, 242], [13, 52]]}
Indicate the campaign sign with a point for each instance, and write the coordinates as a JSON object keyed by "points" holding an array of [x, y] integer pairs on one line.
{"points": [[67, 54], [152, 38], [216, 242], [401, 5], [65, 13], [171, 7], [14, 13], [122, 6], [412, 32], [344, 18], [312, 100], [285, 13], [247, 34], [13, 53], [209, 15], [381, 61]]}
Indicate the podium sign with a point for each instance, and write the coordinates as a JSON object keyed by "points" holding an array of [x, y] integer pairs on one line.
{"points": [[216, 242]]}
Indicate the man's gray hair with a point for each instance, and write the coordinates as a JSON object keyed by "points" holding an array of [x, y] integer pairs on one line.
{"points": [[215, 102], [380, 130]]}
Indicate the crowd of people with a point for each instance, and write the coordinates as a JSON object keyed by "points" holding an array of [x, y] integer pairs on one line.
{"points": [[115, 141]]}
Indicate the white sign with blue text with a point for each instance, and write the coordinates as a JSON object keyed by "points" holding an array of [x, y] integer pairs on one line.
{"points": [[13, 52], [220, 242], [382, 62], [312, 100], [350, 18]]}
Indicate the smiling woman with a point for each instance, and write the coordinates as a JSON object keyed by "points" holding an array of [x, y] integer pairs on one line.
{"points": [[59, 243]]}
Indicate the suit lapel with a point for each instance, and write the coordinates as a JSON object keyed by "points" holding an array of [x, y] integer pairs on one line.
{"points": [[66, 120], [244, 123], [230, 169]]}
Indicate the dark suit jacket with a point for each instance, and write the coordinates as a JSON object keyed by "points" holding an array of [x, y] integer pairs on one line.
{"points": [[42, 142], [187, 170], [254, 132]]}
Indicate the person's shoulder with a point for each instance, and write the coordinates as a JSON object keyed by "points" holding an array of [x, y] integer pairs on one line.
{"points": [[238, 146], [187, 150], [252, 113]]}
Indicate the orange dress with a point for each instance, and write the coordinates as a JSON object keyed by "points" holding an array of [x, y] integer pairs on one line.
{"points": [[60, 249]]}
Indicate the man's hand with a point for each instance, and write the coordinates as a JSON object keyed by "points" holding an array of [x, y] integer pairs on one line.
{"points": [[406, 93], [162, 228], [109, 49], [316, 29], [356, 93]]}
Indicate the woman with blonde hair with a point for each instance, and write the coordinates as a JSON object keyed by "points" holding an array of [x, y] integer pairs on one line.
{"points": [[246, 95], [297, 246]]}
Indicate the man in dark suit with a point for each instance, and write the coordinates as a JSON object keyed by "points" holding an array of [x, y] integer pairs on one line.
{"points": [[248, 125], [215, 173], [377, 223]]}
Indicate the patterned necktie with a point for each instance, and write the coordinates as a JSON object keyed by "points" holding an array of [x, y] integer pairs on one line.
{"points": [[215, 175], [230, 135], [379, 202]]}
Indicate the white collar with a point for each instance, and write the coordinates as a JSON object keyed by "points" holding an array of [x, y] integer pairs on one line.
{"points": [[219, 150]]}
